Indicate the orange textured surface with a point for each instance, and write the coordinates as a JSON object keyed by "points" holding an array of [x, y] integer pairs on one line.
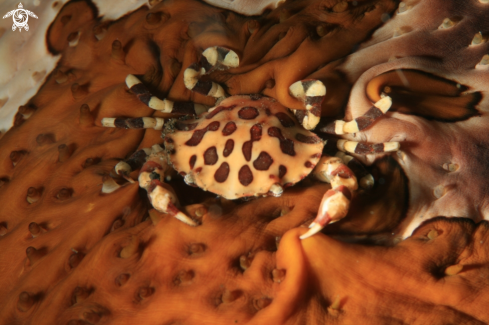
{"points": [[72, 255]]}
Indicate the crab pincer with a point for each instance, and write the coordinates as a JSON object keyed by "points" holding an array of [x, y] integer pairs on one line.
{"points": [[335, 203]]}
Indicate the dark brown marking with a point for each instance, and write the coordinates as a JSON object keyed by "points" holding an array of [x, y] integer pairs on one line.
{"points": [[198, 135], [120, 123], [309, 164], [247, 146], [141, 92], [218, 110], [285, 119], [255, 132], [222, 173], [286, 145], [192, 161], [248, 113], [184, 108], [135, 123], [263, 161], [245, 175], [137, 159], [202, 87], [368, 118], [210, 156], [228, 148], [307, 139], [282, 170], [229, 128]]}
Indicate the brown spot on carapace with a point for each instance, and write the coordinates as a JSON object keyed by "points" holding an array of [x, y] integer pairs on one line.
{"points": [[245, 175], [222, 173], [255, 132], [218, 110], [286, 145], [198, 135], [309, 164], [285, 119], [229, 128], [263, 161], [282, 170], [228, 147], [247, 146], [192, 161], [248, 113], [210, 156]]}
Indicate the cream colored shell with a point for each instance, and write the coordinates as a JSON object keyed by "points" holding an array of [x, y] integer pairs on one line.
{"points": [[298, 166]]}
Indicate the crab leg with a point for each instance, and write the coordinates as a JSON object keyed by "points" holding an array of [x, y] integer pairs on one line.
{"points": [[336, 201], [311, 92], [153, 164], [133, 123], [361, 122], [365, 148], [365, 179], [162, 105], [136, 161], [213, 58]]}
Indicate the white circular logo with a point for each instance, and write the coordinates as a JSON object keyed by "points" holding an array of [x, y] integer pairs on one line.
{"points": [[20, 17]]}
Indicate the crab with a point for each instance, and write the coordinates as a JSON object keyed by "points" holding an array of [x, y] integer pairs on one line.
{"points": [[247, 145]]}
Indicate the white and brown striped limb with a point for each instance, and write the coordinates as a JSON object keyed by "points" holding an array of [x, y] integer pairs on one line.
{"points": [[365, 179], [133, 123], [163, 105], [361, 148], [311, 93], [336, 201], [213, 58], [135, 162], [361, 122]]}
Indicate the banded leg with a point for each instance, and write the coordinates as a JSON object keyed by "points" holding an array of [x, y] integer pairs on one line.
{"points": [[162, 105], [136, 161], [213, 58], [161, 195], [365, 179], [361, 148], [361, 122], [311, 93], [133, 123], [336, 201]]}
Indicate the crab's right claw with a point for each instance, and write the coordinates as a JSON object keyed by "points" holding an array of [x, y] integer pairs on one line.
{"points": [[334, 206]]}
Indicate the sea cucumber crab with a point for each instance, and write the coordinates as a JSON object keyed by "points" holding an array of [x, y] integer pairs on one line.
{"points": [[248, 145]]}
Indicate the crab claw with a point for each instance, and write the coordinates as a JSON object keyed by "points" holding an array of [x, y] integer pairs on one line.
{"points": [[163, 199], [334, 206], [160, 194]]}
